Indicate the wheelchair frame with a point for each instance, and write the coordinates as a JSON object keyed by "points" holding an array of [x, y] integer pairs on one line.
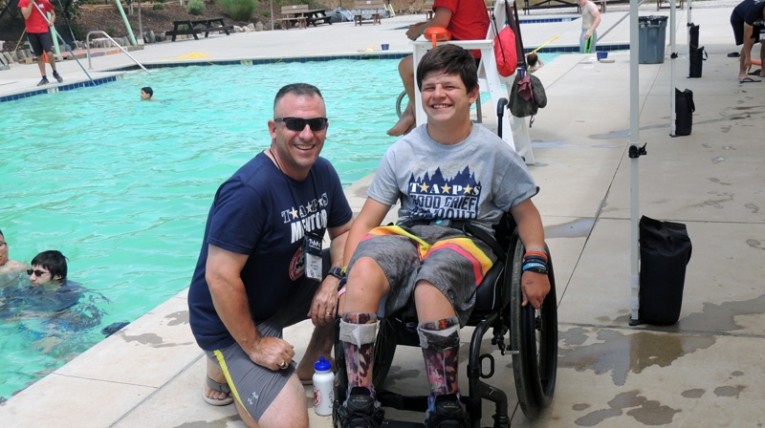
{"points": [[533, 344]]}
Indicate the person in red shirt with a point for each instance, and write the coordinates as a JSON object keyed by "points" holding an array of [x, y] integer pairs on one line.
{"points": [[465, 20], [39, 35]]}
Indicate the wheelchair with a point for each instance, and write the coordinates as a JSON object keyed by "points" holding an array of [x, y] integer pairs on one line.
{"points": [[533, 342]]}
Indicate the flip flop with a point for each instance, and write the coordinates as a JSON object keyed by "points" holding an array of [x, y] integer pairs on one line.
{"points": [[734, 55], [748, 80], [754, 73], [221, 387]]}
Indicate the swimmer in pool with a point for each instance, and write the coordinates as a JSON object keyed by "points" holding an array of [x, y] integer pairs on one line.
{"points": [[147, 93], [10, 270]]}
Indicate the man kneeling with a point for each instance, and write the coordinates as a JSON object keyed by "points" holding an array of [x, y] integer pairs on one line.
{"points": [[446, 172]]}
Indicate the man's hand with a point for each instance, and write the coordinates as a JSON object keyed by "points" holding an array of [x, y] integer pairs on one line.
{"points": [[324, 305], [272, 353], [535, 287]]}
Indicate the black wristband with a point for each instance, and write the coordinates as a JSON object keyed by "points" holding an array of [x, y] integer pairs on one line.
{"points": [[337, 272]]}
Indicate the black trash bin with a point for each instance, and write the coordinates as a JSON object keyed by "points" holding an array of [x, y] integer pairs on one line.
{"points": [[653, 36], [665, 250]]}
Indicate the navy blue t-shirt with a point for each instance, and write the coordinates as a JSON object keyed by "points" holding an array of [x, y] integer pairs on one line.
{"points": [[264, 214], [751, 12]]}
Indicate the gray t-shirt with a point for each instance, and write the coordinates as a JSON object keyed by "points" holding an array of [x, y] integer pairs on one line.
{"points": [[479, 178]]}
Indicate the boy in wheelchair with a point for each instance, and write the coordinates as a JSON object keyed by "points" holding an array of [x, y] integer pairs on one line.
{"points": [[446, 173]]}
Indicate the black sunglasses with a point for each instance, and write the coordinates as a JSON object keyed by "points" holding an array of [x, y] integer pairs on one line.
{"points": [[36, 272], [298, 124]]}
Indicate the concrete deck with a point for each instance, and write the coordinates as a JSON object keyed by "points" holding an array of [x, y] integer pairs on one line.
{"points": [[706, 371]]}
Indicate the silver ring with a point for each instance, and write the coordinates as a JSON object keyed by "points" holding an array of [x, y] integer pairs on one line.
{"points": [[283, 365]]}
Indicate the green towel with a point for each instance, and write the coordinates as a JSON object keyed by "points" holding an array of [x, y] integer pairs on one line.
{"points": [[588, 45]]}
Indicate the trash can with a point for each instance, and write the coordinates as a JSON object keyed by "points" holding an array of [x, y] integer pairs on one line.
{"points": [[652, 39]]}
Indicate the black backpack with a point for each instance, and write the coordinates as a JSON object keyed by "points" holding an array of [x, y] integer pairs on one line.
{"points": [[527, 95]]}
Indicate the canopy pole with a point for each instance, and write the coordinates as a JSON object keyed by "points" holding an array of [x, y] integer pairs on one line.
{"points": [[634, 137], [673, 59]]}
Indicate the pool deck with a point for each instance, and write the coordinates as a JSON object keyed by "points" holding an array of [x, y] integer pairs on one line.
{"points": [[705, 371]]}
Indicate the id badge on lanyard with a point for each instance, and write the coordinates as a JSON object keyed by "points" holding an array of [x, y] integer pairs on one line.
{"points": [[312, 252]]}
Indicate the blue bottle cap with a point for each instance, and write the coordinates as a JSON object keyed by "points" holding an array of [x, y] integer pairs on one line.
{"points": [[322, 365]]}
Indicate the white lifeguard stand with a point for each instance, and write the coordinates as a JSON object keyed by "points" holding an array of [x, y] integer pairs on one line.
{"points": [[489, 80]]}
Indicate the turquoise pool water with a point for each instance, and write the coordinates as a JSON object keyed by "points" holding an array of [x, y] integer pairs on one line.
{"points": [[122, 187]]}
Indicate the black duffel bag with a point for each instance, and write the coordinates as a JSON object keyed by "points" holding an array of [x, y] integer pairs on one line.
{"points": [[697, 57], [684, 108], [665, 250]]}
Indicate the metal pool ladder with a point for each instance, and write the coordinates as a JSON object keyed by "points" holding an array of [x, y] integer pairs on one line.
{"points": [[103, 33]]}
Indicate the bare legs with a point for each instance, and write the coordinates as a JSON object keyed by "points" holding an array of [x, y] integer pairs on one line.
{"points": [[743, 70], [359, 320], [407, 121], [322, 341], [52, 62], [215, 373]]}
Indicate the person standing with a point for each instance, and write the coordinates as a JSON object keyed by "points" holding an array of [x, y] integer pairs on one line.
{"points": [[590, 21], [260, 268], [465, 20], [39, 35], [747, 20], [446, 173]]}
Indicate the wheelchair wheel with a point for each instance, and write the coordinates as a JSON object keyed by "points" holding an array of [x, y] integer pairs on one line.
{"points": [[534, 335]]}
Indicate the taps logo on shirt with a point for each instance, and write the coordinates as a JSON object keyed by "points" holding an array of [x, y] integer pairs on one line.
{"points": [[438, 197], [309, 217]]}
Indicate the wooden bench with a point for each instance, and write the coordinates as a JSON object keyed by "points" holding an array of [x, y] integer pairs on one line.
{"points": [[294, 15], [374, 5], [196, 26]]}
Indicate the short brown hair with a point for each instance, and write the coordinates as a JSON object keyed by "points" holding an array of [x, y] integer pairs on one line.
{"points": [[449, 59]]}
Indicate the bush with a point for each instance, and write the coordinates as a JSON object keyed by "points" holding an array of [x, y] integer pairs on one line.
{"points": [[195, 7], [157, 6], [238, 10]]}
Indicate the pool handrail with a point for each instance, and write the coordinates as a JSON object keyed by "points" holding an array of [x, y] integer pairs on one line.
{"points": [[87, 48]]}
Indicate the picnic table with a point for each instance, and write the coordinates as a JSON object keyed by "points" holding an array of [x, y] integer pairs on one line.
{"points": [[317, 16], [195, 26]]}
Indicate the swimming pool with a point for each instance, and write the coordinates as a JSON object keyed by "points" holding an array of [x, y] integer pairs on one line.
{"points": [[122, 187]]}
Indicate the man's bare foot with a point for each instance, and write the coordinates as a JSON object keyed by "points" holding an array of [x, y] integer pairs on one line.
{"points": [[216, 392], [405, 124]]}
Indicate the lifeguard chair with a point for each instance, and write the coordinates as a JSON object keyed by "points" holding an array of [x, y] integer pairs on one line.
{"points": [[489, 80]]}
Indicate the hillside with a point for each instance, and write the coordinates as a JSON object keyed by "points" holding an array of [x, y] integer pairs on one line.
{"points": [[106, 17]]}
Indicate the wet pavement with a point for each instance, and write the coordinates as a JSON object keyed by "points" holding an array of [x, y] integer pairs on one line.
{"points": [[705, 371]]}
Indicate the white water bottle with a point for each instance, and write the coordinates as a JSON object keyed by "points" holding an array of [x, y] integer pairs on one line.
{"points": [[323, 387]]}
